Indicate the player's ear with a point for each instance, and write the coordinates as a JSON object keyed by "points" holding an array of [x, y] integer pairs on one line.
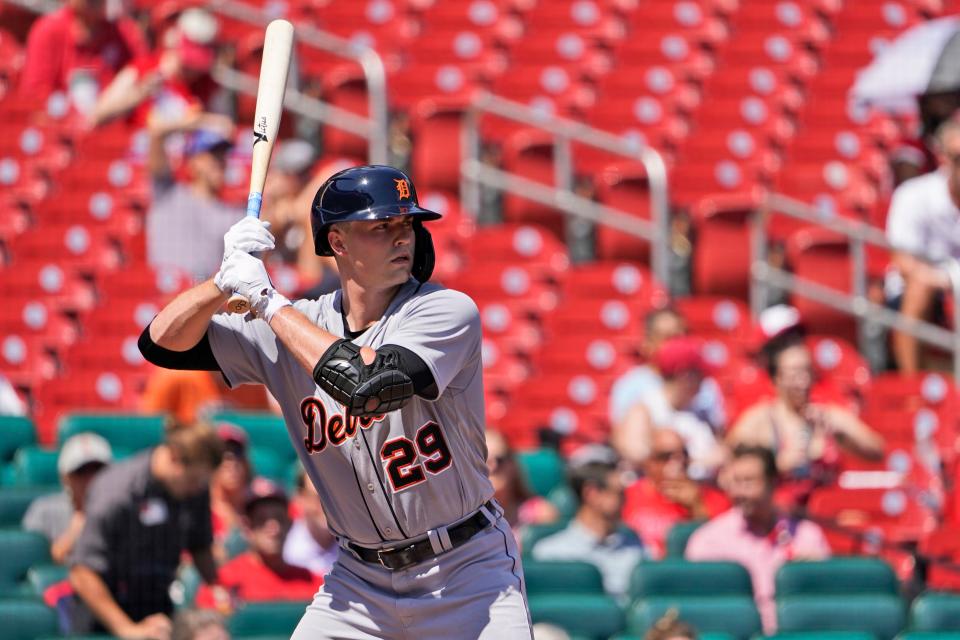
{"points": [[335, 238]]}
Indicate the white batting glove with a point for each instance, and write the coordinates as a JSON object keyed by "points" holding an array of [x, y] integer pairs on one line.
{"points": [[245, 275], [250, 235]]}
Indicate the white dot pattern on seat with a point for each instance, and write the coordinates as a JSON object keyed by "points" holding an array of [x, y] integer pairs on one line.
{"points": [[34, 315], [109, 387], [563, 420], [100, 205], [14, 350]]}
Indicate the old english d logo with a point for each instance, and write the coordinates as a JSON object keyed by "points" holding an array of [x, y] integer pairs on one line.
{"points": [[403, 189]]}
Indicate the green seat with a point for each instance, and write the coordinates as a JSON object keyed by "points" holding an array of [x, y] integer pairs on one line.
{"points": [[15, 432], [929, 635], [42, 576], [21, 550], [129, 431], [267, 430], [266, 618], [36, 467], [734, 615], [532, 534], [933, 611], [26, 619], [588, 615], [880, 614], [14, 502], [820, 635], [545, 577], [677, 537], [268, 464], [542, 469], [676, 577], [836, 576], [709, 635]]}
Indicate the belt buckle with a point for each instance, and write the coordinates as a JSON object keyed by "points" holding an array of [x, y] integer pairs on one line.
{"points": [[380, 558]]}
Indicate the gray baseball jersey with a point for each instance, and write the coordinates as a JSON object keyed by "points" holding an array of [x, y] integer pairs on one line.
{"points": [[396, 476]]}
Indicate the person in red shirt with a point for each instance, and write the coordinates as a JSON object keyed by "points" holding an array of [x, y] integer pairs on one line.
{"points": [[261, 573], [666, 495], [167, 85], [78, 50]]}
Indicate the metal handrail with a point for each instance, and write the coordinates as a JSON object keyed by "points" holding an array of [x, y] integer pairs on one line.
{"points": [[474, 173], [373, 127], [858, 234]]}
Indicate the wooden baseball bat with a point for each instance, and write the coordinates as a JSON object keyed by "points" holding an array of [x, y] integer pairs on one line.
{"points": [[277, 49]]}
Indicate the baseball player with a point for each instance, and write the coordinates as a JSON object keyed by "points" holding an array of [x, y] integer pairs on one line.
{"points": [[381, 389]]}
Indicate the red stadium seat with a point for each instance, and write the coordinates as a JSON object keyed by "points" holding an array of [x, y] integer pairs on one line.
{"points": [[822, 257], [435, 155], [60, 287], [715, 316], [602, 280], [623, 186], [721, 253]]}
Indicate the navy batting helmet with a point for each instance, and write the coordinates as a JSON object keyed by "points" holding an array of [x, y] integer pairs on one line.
{"points": [[372, 192]]}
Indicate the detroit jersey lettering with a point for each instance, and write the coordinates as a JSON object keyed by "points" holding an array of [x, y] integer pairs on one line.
{"points": [[389, 477]]}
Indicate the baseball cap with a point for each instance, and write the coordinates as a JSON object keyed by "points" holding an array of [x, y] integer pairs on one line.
{"points": [[233, 437], [83, 449], [680, 355], [293, 156], [206, 140], [774, 322], [263, 489], [197, 43]]}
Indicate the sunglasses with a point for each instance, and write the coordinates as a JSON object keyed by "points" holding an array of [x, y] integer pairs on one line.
{"points": [[666, 456]]}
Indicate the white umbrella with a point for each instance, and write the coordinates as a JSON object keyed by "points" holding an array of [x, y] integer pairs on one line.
{"points": [[924, 59]]}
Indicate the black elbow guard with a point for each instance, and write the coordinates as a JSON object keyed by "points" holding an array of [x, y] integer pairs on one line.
{"points": [[364, 389]]}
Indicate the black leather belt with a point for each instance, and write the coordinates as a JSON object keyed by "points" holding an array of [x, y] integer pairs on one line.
{"points": [[398, 558]]}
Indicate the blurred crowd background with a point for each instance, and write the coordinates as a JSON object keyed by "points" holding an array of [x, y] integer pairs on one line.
{"points": [[687, 444]]}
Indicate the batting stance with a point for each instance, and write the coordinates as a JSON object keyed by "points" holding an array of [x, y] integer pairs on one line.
{"points": [[381, 388]]}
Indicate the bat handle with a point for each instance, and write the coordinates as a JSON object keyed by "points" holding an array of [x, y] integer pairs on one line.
{"points": [[237, 303]]}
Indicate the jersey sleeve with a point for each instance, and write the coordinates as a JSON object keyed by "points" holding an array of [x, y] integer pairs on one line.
{"points": [[443, 329], [243, 346]]}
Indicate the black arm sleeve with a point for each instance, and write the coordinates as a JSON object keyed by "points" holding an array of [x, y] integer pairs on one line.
{"points": [[197, 358], [416, 369]]}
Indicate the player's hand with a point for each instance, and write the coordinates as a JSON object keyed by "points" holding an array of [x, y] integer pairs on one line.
{"points": [[250, 235], [247, 276]]}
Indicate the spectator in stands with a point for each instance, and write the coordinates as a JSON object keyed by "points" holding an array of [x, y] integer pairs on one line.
{"points": [[666, 494], [78, 49], [754, 532], [199, 624], [659, 326], [189, 396], [142, 514], [229, 486], [596, 533], [61, 516], [169, 85], [923, 216], [806, 437], [669, 406], [670, 627], [310, 543], [261, 573], [521, 507], [186, 222]]}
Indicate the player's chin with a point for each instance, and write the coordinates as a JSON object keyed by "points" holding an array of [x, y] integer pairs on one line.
{"points": [[399, 271]]}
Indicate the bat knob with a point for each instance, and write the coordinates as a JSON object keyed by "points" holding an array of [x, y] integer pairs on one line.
{"points": [[238, 304]]}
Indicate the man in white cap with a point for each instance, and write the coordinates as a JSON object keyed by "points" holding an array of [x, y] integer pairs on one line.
{"points": [[60, 516]]}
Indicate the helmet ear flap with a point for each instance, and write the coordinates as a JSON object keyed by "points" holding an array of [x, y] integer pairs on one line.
{"points": [[424, 257]]}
